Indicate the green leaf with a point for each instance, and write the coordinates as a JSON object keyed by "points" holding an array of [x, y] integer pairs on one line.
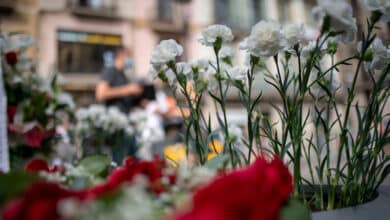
{"points": [[217, 162], [95, 165], [15, 183], [295, 210]]}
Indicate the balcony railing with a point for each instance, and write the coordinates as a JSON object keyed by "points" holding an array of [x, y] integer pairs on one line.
{"points": [[93, 8]]}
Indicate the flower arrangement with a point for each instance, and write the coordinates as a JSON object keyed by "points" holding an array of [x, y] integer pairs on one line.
{"points": [[149, 190], [35, 106], [345, 164], [101, 129]]}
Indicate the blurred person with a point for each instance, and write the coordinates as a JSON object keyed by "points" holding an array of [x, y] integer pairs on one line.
{"points": [[163, 112], [114, 88]]}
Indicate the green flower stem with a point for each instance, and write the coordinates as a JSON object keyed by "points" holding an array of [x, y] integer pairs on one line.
{"points": [[223, 108], [344, 144], [187, 123], [250, 113], [294, 128], [194, 118]]}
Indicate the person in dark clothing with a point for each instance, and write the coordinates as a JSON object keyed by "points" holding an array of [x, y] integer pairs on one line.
{"points": [[114, 88]]}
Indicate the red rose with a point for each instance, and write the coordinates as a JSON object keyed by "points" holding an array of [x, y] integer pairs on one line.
{"points": [[34, 136], [58, 168], [37, 165], [12, 210], [125, 174], [11, 58], [254, 193], [11, 111], [39, 202]]}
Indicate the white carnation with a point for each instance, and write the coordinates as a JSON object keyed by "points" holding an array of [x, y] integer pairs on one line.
{"points": [[341, 17], [165, 51], [293, 33], [381, 55], [265, 39], [190, 177], [379, 5], [66, 99], [209, 77], [69, 208], [238, 73], [171, 77], [153, 72], [184, 68], [212, 32], [110, 120], [200, 64], [226, 52], [235, 133], [138, 116]]}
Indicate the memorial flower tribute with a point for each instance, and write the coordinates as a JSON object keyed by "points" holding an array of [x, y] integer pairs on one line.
{"points": [[103, 130], [311, 156], [35, 105], [148, 190]]}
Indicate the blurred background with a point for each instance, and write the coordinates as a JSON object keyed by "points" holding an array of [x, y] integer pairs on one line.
{"points": [[77, 38]]}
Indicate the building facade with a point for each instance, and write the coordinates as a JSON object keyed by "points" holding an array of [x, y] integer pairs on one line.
{"points": [[75, 37]]}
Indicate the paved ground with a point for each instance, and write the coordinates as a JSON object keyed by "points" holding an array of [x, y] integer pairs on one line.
{"points": [[387, 181]]}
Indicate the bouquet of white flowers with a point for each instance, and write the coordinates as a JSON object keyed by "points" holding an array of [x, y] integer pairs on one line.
{"points": [[100, 129], [346, 161]]}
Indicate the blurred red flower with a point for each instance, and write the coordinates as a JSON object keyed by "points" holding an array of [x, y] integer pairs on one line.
{"points": [[11, 58], [254, 193], [36, 135], [152, 170], [11, 111], [37, 165], [39, 202]]}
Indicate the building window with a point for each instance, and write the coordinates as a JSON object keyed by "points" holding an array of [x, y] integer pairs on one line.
{"points": [[239, 15], [165, 10], [80, 52], [96, 4]]}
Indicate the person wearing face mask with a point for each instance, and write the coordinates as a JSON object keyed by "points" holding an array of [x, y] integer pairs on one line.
{"points": [[114, 88]]}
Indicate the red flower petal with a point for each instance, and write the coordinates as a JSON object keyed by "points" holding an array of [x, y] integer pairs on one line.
{"points": [[39, 202], [11, 58], [254, 193], [12, 210], [37, 165], [11, 111], [34, 137]]}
